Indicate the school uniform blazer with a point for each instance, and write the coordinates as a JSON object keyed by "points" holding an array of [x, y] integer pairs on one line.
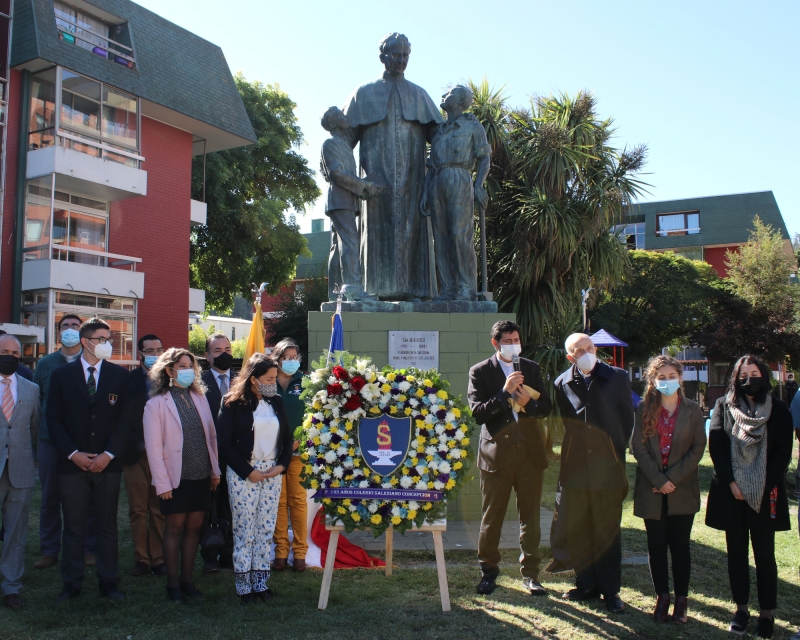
{"points": [[163, 439], [92, 424], [139, 398], [688, 445], [236, 436]]}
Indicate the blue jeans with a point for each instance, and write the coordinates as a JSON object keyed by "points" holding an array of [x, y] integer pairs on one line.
{"points": [[50, 510]]}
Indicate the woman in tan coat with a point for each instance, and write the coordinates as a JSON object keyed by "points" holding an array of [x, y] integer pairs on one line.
{"points": [[668, 442]]}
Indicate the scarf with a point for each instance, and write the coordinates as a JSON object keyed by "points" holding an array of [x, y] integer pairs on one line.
{"points": [[748, 434]]}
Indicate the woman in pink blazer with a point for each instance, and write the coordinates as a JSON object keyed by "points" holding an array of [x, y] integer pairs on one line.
{"points": [[181, 444]]}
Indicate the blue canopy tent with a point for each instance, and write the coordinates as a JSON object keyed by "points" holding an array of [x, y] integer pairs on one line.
{"points": [[604, 339]]}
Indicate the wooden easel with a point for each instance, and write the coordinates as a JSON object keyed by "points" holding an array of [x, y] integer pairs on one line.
{"points": [[435, 528]]}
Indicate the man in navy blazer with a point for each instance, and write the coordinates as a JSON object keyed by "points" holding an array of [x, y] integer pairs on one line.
{"points": [[87, 413], [597, 411], [508, 397]]}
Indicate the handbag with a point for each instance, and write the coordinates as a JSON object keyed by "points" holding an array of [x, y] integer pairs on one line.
{"points": [[213, 538]]}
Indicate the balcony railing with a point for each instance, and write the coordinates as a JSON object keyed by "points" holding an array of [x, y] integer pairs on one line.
{"points": [[84, 256], [46, 138], [71, 31]]}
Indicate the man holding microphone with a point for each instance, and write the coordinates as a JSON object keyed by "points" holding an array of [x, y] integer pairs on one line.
{"points": [[507, 396]]}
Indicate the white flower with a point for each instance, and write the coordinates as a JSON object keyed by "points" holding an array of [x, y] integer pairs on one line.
{"points": [[430, 418], [317, 376], [434, 400], [318, 468], [457, 453], [421, 469], [319, 416], [460, 435], [439, 429], [338, 472], [352, 507], [450, 417], [404, 386], [332, 380], [395, 511], [326, 476], [431, 451], [433, 465], [325, 438], [373, 507], [387, 484], [438, 485], [413, 504], [385, 399], [444, 467], [406, 482], [422, 485], [361, 365], [313, 432], [330, 456], [413, 402], [347, 464], [363, 484]]}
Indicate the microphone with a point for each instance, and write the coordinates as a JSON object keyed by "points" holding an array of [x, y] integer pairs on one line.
{"points": [[515, 362]]}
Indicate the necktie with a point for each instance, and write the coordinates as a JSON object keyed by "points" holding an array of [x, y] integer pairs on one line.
{"points": [[223, 384], [8, 400], [90, 381]]}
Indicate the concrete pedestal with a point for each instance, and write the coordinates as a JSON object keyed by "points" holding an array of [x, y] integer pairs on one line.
{"points": [[463, 341]]}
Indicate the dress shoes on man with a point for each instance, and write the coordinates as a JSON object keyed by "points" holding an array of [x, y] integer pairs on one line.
{"points": [[614, 604], [159, 570], [111, 591], [661, 612], [140, 569], [579, 595], [299, 565], [13, 601], [487, 584], [89, 560], [534, 587], [45, 562], [68, 593], [279, 564]]}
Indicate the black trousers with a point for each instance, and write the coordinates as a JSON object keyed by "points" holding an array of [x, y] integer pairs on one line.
{"points": [[593, 538], [81, 492], [517, 472], [763, 541], [670, 533]]}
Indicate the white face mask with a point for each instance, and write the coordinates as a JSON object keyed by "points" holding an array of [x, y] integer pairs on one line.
{"points": [[103, 351], [509, 350], [586, 362]]}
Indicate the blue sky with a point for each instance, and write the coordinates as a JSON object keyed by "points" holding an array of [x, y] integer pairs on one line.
{"points": [[710, 87]]}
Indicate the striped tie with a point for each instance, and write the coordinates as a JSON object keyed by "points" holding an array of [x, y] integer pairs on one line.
{"points": [[90, 381], [8, 400]]}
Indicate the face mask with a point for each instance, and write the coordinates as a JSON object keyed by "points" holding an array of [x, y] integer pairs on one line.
{"points": [[267, 390], [103, 351], [185, 378], [290, 367], [149, 361], [8, 364], [510, 350], [223, 361], [751, 386], [668, 387], [70, 337], [586, 362]]}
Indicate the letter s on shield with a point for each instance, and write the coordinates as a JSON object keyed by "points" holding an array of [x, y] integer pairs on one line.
{"points": [[384, 442]]}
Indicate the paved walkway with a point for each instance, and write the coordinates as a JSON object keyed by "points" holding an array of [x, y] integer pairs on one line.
{"points": [[460, 535]]}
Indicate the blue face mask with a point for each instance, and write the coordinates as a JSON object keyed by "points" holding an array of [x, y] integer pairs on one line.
{"points": [[290, 367], [668, 387], [149, 361], [185, 378], [70, 337]]}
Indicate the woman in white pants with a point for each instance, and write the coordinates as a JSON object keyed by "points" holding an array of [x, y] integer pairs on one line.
{"points": [[255, 442]]}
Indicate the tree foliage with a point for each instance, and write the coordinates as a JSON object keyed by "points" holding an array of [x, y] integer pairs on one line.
{"points": [[556, 188], [661, 301], [250, 235]]}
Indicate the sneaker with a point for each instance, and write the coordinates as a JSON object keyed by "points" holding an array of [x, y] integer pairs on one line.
{"points": [[534, 587], [766, 626], [738, 625]]}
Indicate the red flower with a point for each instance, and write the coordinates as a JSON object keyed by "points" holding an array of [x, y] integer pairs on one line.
{"points": [[353, 402], [358, 383], [334, 389], [340, 373]]}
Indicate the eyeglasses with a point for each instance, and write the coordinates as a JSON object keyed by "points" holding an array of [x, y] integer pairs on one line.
{"points": [[152, 352], [102, 340]]}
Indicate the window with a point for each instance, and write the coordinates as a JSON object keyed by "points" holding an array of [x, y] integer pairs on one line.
{"points": [[678, 224], [631, 234], [90, 33]]}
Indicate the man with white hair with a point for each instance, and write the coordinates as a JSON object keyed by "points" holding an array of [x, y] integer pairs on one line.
{"points": [[597, 411]]}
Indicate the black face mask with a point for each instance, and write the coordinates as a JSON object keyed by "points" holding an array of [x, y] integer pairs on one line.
{"points": [[8, 365], [223, 361], [751, 386]]}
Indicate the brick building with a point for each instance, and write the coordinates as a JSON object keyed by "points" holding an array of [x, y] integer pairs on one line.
{"points": [[107, 105]]}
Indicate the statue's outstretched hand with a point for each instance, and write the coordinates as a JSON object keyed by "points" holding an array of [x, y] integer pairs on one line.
{"points": [[372, 189]]}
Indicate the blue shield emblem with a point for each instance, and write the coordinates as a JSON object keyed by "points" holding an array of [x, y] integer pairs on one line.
{"points": [[384, 442]]}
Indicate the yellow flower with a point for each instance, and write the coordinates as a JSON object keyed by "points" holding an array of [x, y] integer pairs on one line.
{"points": [[375, 410], [314, 484], [412, 514], [458, 465], [386, 388], [450, 484], [355, 516], [307, 421], [427, 382], [348, 478], [441, 393], [430, 485], [376, 478], [357, 462], [326, 501], [316, 405], [464, 428], [341, 510], [396, 519], [416, 479], [376, 519], [405, 471], [407, 411], [451, 444], [371, 376], [348, 426], [420, 449], [428, 458], [415, 461], [335, 483], [456, 412], [401, 398], [420, 424], [434, 440], [328, 469], [309, 469], [424, 412], [419, 393], [421, 439], [304, 456], [411, 378], [394, 481], [315, 440], [390, 377], [351, 451], [393, 409], [465, 442], [427, 506]]}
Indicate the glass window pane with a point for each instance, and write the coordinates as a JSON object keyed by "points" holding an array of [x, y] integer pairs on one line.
{"points": [[80, 102], [60, 223], [119, 117], [693, 222], [75, 299], [41, 139], [122, 336], [83, 147], [66, 17], [92, 33], [88, 203], [80, 85], [37, 230], [87, 231], [43, 100]]}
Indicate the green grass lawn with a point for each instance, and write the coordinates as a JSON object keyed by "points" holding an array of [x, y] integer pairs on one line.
{"points": [[366, 604]]}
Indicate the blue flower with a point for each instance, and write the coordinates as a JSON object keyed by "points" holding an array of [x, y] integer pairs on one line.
{"points": [[362, 511], [403, 512]]}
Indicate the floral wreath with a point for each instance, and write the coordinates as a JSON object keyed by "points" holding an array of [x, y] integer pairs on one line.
{"points": [[438, 458]]}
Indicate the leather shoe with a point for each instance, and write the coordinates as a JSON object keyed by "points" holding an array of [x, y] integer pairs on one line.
{"points": [[279, 564], [534, 587], [579, 595], [299, 565], [45, 562], [89, 560], [110, 591], [264, 595], [661, 612], [487, 584], [160, 570], [176, 595], [614, 604], [140, 569], [680, 612], [68, 593], [13, 601], [190, 590], [246, 598]]}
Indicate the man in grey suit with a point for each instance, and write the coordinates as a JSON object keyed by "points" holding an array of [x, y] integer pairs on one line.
{"points": [[19, 426]]}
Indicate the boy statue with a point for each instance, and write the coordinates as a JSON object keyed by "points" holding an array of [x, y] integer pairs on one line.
{"points": [[449, 194], [345, 191]]}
